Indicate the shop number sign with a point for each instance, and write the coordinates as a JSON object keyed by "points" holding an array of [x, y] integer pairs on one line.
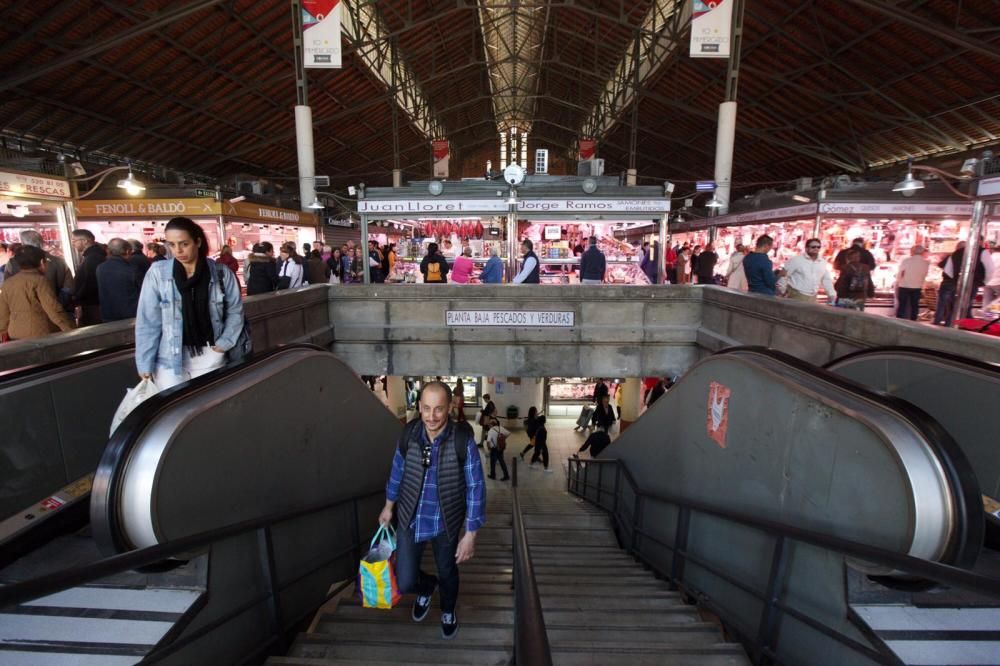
{"points": [[509, 318]]}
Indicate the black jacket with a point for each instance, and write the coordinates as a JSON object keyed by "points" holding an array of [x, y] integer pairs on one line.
{"points": [[86, 291], [141, 264], [706, 265], [604, 418], [261, 274], [118, 287], [430, 259], [593, 265], [867, 258]]}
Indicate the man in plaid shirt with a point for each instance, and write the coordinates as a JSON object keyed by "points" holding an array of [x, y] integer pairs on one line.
{"points": [[435, 490]]}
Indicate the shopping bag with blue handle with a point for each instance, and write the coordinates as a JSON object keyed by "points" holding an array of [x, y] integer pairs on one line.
{"points": [[377, 572]]}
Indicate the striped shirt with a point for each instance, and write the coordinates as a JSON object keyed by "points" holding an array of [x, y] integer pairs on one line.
{"points": [[427, 520]]}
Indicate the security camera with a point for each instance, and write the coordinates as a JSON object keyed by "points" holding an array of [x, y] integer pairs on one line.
{"points": [[237, 199]]}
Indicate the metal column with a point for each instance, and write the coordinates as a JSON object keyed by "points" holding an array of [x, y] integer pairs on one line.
{"points": [[726, 133], [512, 240], [967, 272], [661, 264], [364, 248], [303, 117]]}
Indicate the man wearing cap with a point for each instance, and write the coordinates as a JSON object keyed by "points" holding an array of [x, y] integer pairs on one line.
{"points": [[910, 283]]}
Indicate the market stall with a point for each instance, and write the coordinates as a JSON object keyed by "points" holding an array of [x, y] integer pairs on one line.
{"points": [[237, 224], [37, 202], [889, 224]]}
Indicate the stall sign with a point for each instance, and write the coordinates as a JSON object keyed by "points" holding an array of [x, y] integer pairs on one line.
{"points": [[553, 232], [268, 214], [594, 206], [510, 318], [863, 208], [27, 184], [431, 206], [989, 187], [146, 207]]}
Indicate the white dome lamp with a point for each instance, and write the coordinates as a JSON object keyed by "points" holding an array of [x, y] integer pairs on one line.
{"points": [[909, 185]]}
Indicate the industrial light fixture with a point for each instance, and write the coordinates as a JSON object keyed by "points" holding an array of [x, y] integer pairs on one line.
{"points": [[908, 184], [800, 198], [131, 185], [714, 202], [316, 205]]}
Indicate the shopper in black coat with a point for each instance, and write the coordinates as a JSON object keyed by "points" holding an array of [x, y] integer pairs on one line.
{"points": [[260, 272]]}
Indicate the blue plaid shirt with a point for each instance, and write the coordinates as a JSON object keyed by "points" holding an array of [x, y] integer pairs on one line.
{"points": [[427, 522]]}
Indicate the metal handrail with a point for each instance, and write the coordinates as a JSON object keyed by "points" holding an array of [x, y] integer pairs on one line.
{"points": [[764, 643], [531, 641], [28, 590]]}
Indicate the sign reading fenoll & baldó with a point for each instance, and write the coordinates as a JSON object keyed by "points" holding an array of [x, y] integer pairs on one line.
{"points": [[515, 318]]}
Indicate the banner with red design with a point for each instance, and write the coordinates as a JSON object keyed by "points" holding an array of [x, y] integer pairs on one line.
{"points": [[442, 152], [588, 149], [321, 34]]}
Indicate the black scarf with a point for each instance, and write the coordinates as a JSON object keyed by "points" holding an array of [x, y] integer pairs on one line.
{"points": [[198, 331]]}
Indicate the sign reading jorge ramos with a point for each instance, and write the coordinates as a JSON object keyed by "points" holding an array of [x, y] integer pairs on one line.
{"points": [[512, 318]]}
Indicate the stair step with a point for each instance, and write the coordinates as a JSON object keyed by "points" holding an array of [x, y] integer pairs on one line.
{"points": [[456, 651], [718, 655], [485, 635], [48, 658], [685, 635], [654, 618]]}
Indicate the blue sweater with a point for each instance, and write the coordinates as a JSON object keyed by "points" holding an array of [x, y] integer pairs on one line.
{"points": [[492, 272], [760, 273]]}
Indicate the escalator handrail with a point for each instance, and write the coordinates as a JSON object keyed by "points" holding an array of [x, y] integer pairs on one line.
{"points": [[902, 350], [18, 593], [531, 641], [105, 511], [962, 480], [939, 572], [29, 371]]}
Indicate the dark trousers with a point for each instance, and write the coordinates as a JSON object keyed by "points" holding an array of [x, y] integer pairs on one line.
{"points": [[541, 451], [944, 314], [90, 315], [496, 456], [909, 303], [412, 579]]}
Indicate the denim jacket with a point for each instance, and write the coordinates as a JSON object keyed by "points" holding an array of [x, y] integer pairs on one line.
{"points": [[159, 330]]}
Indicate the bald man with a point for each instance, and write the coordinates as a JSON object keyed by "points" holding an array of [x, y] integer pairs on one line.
{"points": [[118, 282], [437, 494]]}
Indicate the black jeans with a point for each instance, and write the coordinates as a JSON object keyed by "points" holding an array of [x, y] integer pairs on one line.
{"points": [[541, 451], [497, 456], [909, 303], [411, 579]]}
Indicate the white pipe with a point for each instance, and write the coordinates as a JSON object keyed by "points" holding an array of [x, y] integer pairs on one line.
{"points": [[724, 140], [307, 160]]}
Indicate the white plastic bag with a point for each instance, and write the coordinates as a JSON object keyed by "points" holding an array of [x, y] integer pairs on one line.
{"points": [[133, 398]]}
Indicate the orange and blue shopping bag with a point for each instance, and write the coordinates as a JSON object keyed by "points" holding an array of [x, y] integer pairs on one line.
{"points": [[376, 574]]}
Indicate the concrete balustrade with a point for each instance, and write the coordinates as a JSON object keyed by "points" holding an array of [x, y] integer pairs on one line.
{"points": [[617, 331]]}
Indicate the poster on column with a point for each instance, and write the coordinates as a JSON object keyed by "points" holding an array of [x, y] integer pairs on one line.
{"points": [[711, 23], [321, 34], [588, 149], [442, 151]]}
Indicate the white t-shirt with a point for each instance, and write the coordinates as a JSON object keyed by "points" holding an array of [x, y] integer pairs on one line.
{"points": [[912, 272], [494, 434]]}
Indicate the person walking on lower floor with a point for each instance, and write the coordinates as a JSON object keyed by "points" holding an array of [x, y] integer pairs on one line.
{"points": [[541, 445], [530, 427], [436, 489], [496, 440], [910, 283]]}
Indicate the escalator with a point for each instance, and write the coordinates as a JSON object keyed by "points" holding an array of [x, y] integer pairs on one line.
{"points": [[56, 418], [276, 459], [238, 499]]}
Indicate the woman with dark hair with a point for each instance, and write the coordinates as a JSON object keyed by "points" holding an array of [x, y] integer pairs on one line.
{"points": [[541, 445], [530, 426], [336, 264], [190, 312], [260, 271], [292, 271]]}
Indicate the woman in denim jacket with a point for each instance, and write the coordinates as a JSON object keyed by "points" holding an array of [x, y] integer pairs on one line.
{"points": [[186, 321]]}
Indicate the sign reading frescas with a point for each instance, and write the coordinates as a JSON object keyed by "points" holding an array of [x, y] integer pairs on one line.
{"points": [[510, 318]]}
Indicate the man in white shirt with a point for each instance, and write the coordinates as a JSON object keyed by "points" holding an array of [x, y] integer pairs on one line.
{"points": [[530, 269], [806, 272], [497, 431], [910, 282]]}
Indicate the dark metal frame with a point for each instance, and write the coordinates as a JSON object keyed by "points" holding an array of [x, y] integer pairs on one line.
{"points": [[19, 593], [763, 647], [531, 641]]}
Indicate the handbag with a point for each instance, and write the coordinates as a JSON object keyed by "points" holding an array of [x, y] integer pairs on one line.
{"points": [[134, 397], [244, 343], [377, 584]]}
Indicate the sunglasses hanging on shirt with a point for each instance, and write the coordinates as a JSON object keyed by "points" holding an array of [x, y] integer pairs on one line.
{"points": [[425, 456]]}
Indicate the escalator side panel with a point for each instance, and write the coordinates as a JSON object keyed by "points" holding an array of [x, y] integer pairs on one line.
{"points": [[56, 425], [961, 396]]}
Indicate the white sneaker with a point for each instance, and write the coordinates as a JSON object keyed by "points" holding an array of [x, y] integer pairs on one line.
{"points": [[548, 470]]}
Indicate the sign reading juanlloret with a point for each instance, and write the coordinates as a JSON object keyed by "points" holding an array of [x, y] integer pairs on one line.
{"points": [[513, 318]]}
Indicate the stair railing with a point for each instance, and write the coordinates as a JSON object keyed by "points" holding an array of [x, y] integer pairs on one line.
{"points": [[617, 492], [531, 641]]}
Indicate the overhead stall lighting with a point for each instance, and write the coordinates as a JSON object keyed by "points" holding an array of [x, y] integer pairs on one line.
{"points": [[316, 205], [908, 184], [131, 185]]}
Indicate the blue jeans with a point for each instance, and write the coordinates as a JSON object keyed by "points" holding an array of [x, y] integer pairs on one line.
{"points": [[410, 577], [909, 303], [944, 313]]}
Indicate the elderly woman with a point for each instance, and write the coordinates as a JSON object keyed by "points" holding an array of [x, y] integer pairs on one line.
{"points": [[493, 270], [461, 271], [190, 312], [28, 305]]}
